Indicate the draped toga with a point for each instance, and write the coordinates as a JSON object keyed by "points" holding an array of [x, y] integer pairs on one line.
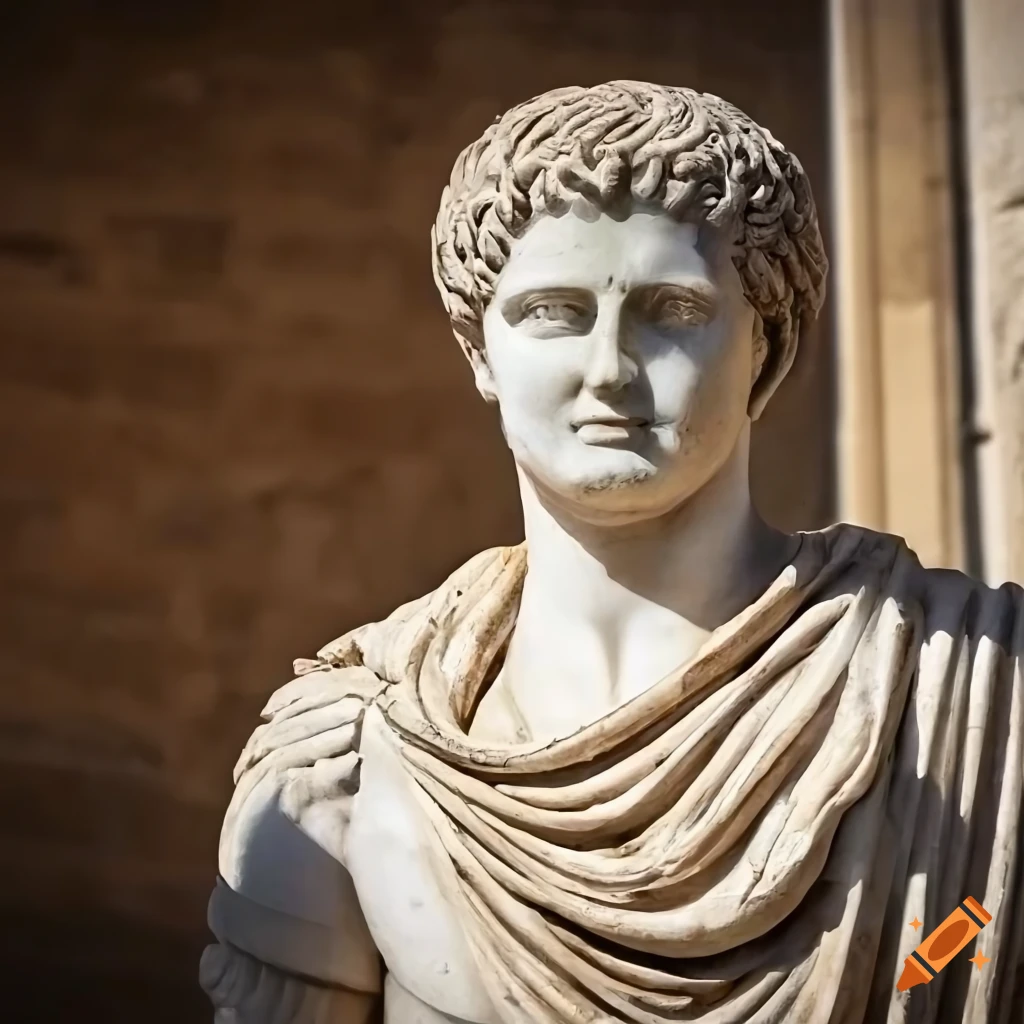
{"points": [[748, 839]]}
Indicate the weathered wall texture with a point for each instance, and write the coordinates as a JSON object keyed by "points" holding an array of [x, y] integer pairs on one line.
{"points": [[993, 32], [234, 422]]}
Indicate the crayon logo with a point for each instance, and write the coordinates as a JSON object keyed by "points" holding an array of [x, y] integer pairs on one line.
{"points": [[939, 948], [948, 940]]}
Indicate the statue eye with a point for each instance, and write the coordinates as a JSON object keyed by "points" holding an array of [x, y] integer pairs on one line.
{"points": [[554, 312], [677, 313], [551, 311], [679, 308]]}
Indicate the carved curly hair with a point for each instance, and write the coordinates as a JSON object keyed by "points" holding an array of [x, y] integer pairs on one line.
{"points": [[694, 155]]}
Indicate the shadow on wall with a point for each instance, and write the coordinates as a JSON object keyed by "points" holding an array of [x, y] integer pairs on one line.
{"points": [[94, 966], [236, 421]]}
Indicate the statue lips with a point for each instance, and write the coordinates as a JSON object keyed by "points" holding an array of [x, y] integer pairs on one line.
{"points": [[609, 429]]}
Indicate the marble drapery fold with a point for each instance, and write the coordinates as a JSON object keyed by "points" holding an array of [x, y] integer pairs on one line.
{"points": [[746, 840]]}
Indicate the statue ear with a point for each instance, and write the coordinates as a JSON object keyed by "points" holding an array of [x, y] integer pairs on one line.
{"points": [[775, 348], [761, 348], [759, 360], [482, 375]]}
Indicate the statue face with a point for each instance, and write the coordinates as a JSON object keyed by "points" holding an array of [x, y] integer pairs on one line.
{"points": [[621, 355]]}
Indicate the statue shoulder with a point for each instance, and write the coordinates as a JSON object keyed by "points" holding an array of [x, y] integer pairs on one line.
{"points": [[284, 895], [941, 592], [954, 601], [307, 747]]}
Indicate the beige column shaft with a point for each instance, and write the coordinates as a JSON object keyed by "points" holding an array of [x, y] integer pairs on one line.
{"points": [[894, 283], [993, 33]]}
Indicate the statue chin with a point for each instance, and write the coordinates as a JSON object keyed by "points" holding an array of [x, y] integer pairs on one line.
{"points": [[618, 494], [613, 485]]}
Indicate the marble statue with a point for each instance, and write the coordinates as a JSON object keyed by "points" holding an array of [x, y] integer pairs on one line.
{"points": [[660, 762]]}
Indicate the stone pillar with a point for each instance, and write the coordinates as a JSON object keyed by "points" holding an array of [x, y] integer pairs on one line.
{"points": [[993, 35], [893, 281]]}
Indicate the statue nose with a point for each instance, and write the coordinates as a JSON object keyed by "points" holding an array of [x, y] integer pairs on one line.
{"points": [[610, 365]]}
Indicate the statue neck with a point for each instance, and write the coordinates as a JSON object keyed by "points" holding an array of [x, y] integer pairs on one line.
{"points": [[608, 610]]}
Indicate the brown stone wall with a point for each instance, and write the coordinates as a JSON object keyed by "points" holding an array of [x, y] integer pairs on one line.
{"points": [[234, 421]]}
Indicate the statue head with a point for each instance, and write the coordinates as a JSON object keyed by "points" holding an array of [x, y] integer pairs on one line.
{"points": [[628, 269]]}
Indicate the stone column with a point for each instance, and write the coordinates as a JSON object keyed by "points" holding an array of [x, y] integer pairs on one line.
{"points": [[993, 38], [893, 281]]}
